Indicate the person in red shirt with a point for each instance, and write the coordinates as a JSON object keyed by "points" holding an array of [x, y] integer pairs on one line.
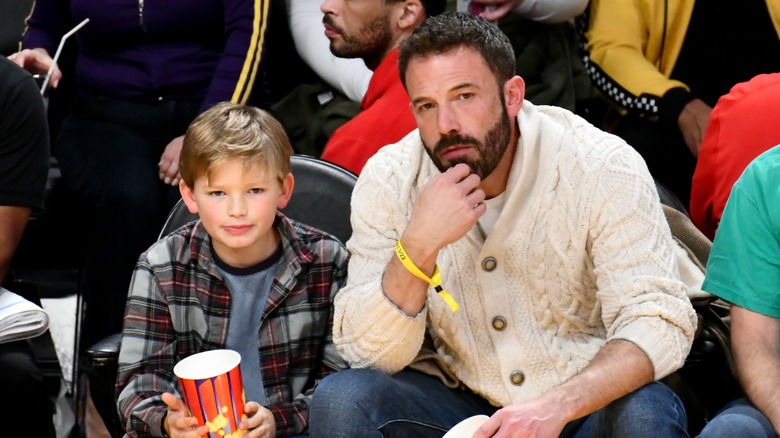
{"points": [[372, 30], [742, 126]]}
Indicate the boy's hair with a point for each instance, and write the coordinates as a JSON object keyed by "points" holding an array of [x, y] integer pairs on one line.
{"points": [[451, 30], [228, 131]]}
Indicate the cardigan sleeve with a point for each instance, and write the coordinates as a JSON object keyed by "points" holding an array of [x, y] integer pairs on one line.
{"points": [[369, 330], [642, 297]]}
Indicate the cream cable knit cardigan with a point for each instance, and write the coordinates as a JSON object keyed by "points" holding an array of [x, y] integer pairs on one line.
{"points": [[583, 255]]}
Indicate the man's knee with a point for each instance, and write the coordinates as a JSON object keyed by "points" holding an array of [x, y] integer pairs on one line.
{"points": [[652, 410], [346, 391], [348, 383], [342, 401], [739, 418]]}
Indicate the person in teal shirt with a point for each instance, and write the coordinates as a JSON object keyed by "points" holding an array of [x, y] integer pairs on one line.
{"points": [[744, 269]]}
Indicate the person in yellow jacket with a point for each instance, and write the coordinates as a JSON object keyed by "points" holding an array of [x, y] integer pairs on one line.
{"points": [[663, 65]]}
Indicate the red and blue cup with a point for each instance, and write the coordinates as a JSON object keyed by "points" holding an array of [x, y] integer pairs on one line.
{"points": [[213, 391]]}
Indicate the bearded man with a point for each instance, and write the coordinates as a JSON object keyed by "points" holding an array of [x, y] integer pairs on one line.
{"points": [[371, 30], [531, 249]]}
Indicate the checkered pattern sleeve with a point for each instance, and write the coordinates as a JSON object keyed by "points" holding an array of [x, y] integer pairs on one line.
{"points": [[614, 42]]}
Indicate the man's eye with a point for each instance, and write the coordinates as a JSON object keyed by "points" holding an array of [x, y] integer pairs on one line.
{"points": [[465, 96], [424, 107]]}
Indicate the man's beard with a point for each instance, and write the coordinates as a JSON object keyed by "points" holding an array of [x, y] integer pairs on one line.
{"points": [[491, 150], [370, 41]]}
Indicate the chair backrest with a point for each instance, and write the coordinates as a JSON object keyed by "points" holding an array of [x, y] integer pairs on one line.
{"points": [[669, 199], [321, 198]]}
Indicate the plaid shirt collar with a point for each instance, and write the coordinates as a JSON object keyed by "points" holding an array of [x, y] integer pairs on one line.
{"points": [[296, 256]]}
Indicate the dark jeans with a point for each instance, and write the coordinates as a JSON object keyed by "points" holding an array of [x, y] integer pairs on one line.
{"points": [[739, 418], [367, 403], [108, 152], [24, 396]]}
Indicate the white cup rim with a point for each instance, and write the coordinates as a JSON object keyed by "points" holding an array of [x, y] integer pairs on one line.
{"points": [[207, 364], [467, 427]]}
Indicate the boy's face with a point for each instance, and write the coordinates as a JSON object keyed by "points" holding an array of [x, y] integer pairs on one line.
{"points": [[237, 206]]}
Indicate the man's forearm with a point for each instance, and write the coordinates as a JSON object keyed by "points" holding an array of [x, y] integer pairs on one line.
{"points": [[761, 381], [755, 339], [619, 368]]}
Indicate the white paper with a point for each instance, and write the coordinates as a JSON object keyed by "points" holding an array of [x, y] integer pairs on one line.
{"points": [[20, 318]]}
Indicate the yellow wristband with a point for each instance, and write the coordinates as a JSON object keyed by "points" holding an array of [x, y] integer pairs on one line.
{"points": [[434, 280]]}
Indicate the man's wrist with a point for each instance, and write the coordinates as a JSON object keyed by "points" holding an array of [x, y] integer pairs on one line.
{"points": [[565, 401], [672, 104], [421, 252], [434, 279]]}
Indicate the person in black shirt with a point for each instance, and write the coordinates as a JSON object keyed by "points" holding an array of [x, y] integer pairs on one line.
{"points": [[24, 165]]}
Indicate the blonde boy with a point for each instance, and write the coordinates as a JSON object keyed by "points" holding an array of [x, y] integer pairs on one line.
{"points": [[242, 277]]}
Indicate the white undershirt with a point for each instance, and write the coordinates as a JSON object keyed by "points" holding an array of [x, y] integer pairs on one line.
{"points": [[494, 207]]}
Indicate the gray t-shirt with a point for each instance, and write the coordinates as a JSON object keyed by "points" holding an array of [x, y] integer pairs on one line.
{"points": [[249, 289]]}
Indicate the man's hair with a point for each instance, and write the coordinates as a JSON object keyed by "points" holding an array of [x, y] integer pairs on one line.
{"points": [[452, 30], [431, 7], [228, 131]]}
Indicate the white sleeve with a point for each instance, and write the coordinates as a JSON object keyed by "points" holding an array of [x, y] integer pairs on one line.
{"points": [[550, 11], [350, 76]]}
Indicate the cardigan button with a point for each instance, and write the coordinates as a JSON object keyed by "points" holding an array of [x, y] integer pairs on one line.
{"points": [[517, 377], [489, 264], [499, 323]]}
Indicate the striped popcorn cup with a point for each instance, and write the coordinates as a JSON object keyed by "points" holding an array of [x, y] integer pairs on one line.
{"points": [[213, 391]]}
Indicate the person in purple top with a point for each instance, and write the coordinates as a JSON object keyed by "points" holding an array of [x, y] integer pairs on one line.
{"points": [[144, 71]]}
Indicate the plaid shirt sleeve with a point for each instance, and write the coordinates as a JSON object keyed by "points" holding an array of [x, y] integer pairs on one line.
{"points": [[175, 308], [147, 355], [300, 331]]}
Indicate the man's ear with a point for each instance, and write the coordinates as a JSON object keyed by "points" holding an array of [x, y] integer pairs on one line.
{"points": [[287, 189], [408, 15], [187, 197], [514, 93]]}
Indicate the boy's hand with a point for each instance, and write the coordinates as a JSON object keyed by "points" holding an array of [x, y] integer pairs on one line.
{"points": [[178, 423], [259, 422]]}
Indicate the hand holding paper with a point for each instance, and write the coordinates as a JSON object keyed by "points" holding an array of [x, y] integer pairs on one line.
{"points": [[20, 318]]}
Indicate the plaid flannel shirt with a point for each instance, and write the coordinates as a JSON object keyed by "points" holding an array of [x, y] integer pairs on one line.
{"points": [[179, 305]]}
